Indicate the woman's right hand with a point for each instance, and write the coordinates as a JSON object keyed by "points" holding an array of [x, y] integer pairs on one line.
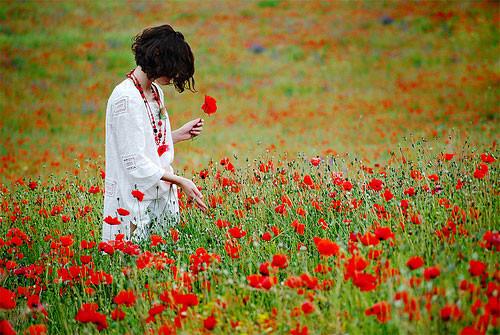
{"points": [[192, 192]]}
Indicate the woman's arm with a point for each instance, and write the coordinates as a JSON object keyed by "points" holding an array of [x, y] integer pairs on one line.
{"points": [[187, 186], [191, 129]]}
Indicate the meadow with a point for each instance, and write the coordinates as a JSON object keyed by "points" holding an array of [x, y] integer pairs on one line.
{"points": [[350, 170]]}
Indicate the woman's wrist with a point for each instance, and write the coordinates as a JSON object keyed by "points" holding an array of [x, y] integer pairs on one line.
{"points": [[172, 178]]}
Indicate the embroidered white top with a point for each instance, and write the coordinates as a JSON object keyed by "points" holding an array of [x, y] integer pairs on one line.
{"points": [[132, 160]]}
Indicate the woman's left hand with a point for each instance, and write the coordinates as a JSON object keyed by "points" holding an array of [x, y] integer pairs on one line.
{"points": [[191, 129]]}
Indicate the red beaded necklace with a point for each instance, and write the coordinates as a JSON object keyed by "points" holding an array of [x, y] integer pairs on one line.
{"points": [[160, 139]]}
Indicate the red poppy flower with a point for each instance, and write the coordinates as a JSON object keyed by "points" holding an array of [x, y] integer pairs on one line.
{"points": [[264, 269], [210, 105], [210, 323], [347, 186], [308, 181], [315, 161], [450, 312], [415, 262], [381, 310], [162, 149], [307, 307], [431, 272], [138, 195], [6, 328], [125, 297], [375, 184], [266, 236], [433, 177], [409, 191], [8, 300], [388, 195], [123, 211], [326, 247], [280, 209], [364, 281], [236, 232], [66, 240], [476, 268], [481, 171], [298, 227], [280, 261], [384, 233], [88, 313], [448, 156], [117, 314], [487, 158], [112, 221]]}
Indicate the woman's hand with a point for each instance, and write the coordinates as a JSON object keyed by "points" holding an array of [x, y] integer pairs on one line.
{"points": [[192, 192], [191, 129]]}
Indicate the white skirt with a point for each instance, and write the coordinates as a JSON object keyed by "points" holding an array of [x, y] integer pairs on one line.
{"points": [[160, 215]]}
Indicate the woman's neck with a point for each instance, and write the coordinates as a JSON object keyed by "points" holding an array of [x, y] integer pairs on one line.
{"points": [[142, 77]]}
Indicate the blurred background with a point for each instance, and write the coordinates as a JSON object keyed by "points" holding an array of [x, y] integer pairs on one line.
{"points": [[311, 77]]}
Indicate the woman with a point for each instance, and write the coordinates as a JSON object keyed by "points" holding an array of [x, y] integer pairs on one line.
{"points": [[140, 185]]}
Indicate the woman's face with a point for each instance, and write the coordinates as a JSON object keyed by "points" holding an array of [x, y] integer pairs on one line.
{"points": [[164, 80]]}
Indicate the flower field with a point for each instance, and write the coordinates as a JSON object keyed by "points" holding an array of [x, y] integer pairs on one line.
{"points": [[350, 171]]}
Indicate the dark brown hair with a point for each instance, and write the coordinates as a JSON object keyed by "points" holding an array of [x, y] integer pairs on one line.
{"points": [[162, 51]]}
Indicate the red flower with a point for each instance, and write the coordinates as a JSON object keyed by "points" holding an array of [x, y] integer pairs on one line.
{"points": [[210, 323], [481, 171], [307, 307], [6, 328], [264, 269], [8, 300], [298, 227], [375, 184], [259, 281], [266, 236], [388, 195], [450, 312], [326, 247], [381, 310], [476, 268], [487, 158], [299, 331], [384, 233], [210, 105], [470, 330], [347, 186], [125, 297], [66, 240], [162, 149], [203, 174], [280, 209], [433, 177], [364, 281], [39, 329], [280, 261], [308, 180], [409, 191], [88, 313], [448, 156], [138, 195], [315, 161], [236, 232], [112, 221], [415, 262], [123, 211], [431, 272], [117, 314]]}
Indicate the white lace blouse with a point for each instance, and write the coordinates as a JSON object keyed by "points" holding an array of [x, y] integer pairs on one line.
{"points": [[133, 163]]}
